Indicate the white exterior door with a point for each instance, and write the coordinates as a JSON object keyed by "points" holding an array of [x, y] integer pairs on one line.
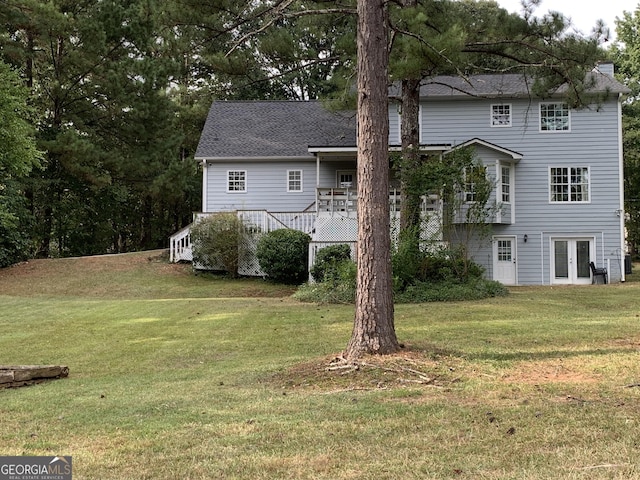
{"points": [[346, 179], [570, 259], [504, 260]]}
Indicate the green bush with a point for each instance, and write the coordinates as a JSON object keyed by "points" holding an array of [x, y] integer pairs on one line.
{"points": [[328, 261], [411, 267], [439, 276], [218, 242], [449, 265], [406, 263], [475, 289], [284, 255], [339, 288]]}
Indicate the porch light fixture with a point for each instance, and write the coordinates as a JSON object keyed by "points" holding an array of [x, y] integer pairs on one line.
{"points": [[525, 238]]}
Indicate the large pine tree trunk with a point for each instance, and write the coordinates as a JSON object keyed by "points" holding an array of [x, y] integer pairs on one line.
{"points": [[373, 326]]}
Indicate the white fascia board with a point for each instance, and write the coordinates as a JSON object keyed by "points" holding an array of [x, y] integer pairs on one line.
{"points": [[392, 148], [254, 159], [423, 148], [332, 149], [491, 146]]}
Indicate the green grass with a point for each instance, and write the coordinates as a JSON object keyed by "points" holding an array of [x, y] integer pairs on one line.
{"points": [[174, 375]]}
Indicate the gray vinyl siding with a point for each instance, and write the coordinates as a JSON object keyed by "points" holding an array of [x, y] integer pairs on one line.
{"points": [[592, 142], [267, 185]]}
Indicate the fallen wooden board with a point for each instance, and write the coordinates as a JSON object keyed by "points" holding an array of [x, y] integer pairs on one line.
{"points": [[22, 375]]}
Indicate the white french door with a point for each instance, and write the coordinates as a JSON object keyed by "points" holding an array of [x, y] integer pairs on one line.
{"points": [[504, 260], [570, 259]]}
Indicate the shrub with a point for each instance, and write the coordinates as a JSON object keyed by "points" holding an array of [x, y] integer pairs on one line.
{"points": [[328, 260], [406, 263], [475, 289], [340, 288], [284, 255], [446, 265], [449, 265], [218, 241]]}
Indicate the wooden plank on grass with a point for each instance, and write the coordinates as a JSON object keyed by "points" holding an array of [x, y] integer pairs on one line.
{"points": [[21, 375]]}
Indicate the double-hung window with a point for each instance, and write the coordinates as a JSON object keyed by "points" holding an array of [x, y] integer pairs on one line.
{"points": [[505, 183], [474, 177], [554, 117], [237, 181], [501, 115], [294, 180], [569, 184]]}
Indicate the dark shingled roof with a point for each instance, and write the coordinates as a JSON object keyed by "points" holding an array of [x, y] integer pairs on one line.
{"points": [[263, 129], [273, 129], [512, 85]]}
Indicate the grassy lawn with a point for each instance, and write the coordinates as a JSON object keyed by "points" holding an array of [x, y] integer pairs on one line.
{"points": [[176, 376]]}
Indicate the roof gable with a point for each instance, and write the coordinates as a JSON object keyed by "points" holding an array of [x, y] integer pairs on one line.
{"points": [[265, 129], [491, 146]]}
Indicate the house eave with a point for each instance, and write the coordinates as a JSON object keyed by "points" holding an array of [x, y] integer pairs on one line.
{"points": [[255, 159], [478, 141], [392, 148], [315, 150]]}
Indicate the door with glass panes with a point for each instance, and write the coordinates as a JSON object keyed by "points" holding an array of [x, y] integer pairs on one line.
{"points": [[570, 259], [346, 179], [504, 260]]}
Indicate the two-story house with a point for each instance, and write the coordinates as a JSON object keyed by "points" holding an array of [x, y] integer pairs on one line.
{"points": [[557, 172]]}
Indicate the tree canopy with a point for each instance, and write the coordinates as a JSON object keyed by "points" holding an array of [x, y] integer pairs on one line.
{"points": [[18, 157], [122, 89], [626, 55]]}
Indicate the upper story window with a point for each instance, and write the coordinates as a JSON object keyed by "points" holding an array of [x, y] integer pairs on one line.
{"points": [[237, 181], [294, 181], [554, 117], [474, 179], [569, 184], [501, 115], [505, 174]]}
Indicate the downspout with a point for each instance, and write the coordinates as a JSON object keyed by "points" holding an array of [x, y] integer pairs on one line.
{"points": [[317, 179], [204, 186], [621, 187]]}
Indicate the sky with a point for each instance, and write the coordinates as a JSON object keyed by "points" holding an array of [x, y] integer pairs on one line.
{"points": [[583, 13]]}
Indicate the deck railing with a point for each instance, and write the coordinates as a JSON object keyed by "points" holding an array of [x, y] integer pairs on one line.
{"points": [[268, 221], [180, 246], [335, 200], [331, 200]]}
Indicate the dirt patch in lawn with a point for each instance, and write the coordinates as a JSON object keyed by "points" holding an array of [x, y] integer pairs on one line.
{"points": [[406, 368], [550, 371], [425, 368]]}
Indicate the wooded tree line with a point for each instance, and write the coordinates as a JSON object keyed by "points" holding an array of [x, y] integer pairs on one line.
{"points": [[117, 92]]}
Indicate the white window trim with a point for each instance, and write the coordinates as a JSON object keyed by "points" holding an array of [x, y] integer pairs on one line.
{"points": [[246, 188], [289, 172], [493, 125], [501, 182], [569, 201], [540, 118]]}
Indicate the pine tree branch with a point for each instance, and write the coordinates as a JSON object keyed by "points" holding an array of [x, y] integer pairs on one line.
{"points": [[280, 13]]}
